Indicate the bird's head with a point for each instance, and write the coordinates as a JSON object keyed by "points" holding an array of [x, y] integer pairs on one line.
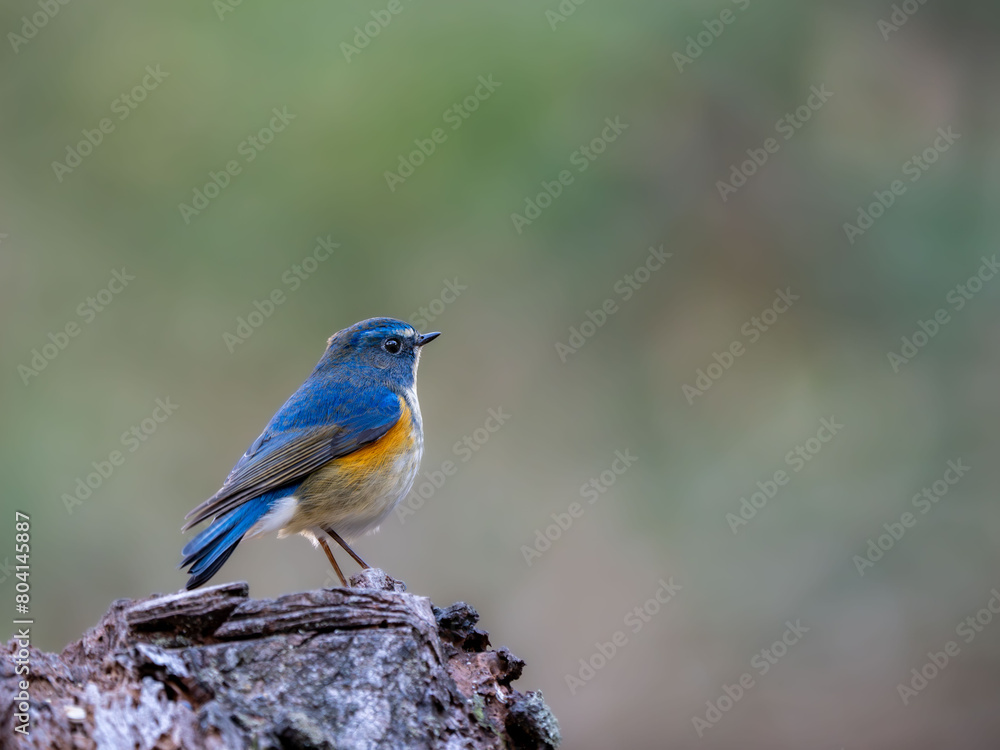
{"points": [[386, 344]]}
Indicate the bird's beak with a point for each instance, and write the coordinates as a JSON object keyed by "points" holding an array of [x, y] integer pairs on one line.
{"points": [[427, 338]]}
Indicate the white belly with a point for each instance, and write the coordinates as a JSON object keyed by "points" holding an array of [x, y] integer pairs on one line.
{"points": [[385, 495]]}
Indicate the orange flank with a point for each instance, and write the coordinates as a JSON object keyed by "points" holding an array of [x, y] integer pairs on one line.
{"points": [[374, 456], [354, 492]]}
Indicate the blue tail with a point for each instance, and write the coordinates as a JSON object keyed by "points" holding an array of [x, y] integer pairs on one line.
{"points": [[209, 550]]}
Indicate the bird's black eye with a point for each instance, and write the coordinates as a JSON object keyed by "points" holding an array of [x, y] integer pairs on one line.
{"points": [[392, 345]]}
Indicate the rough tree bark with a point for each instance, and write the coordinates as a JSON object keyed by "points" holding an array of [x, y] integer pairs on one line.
{"points": [[365, 667]]}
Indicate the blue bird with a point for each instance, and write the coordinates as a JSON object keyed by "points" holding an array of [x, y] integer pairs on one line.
{"points": [[336, 458]]}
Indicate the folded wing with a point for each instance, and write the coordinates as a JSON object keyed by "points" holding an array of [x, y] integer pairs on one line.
{"points": [[283, 454]]}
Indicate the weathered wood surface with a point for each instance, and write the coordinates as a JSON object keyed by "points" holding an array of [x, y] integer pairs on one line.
{"points": [[365, 667]]}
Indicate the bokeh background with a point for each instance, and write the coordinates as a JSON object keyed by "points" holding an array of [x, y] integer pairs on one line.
{"points": [[560, 77]]}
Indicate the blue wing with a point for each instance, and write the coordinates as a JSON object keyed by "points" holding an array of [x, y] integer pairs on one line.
{"points": [[323, 420]]}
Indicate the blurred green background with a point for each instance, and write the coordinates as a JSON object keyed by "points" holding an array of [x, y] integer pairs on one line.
{"points": [[560, 76]]}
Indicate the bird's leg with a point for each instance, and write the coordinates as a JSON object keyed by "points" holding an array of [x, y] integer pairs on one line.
{"points": [[333, 562], [336, 537]]}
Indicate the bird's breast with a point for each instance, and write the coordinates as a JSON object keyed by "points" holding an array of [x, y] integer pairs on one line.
{"points": [[354, 493]]}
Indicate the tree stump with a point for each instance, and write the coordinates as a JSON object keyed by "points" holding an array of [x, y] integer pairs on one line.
{"points": [[361, 667]]}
